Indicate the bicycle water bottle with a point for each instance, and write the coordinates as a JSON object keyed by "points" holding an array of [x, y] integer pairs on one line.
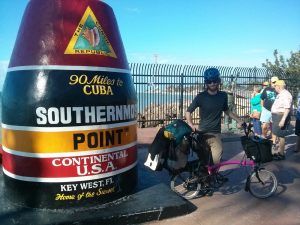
{"points": [[68, 108]]}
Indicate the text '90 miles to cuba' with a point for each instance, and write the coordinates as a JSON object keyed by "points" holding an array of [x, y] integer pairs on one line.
{"points": [[97, 85]]}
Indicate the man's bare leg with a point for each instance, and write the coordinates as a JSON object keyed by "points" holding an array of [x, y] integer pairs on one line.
{"points": [[281, 145], [264, 128]]}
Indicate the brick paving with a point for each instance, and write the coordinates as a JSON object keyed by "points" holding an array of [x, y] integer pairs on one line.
{"points": [[231, 204]]}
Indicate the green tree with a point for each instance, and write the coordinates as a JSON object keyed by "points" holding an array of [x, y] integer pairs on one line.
{"points": [[286, 69]]}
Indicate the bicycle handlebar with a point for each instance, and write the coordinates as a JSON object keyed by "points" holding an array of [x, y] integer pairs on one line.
{"points": [[247, 128]]}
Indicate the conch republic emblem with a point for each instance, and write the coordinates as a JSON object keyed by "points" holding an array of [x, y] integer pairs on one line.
{"points": [[68, 108]]}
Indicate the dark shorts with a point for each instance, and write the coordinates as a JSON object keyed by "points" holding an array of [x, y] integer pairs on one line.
{"points": [[297, 128], [280, 131]]}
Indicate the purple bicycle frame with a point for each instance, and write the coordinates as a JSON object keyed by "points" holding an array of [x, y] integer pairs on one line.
{"points": [[215, 168]]}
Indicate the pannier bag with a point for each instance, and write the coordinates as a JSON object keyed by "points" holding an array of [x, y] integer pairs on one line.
{"points": [[257, 149], [178, 155], [158, 151], [154, 164], [170, 146], [176, 130]]}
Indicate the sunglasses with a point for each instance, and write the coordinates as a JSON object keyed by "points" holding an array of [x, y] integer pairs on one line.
{"points": [[212, 81]]}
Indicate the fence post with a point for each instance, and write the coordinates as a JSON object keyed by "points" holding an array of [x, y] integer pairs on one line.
{"points": [[181, 96]]}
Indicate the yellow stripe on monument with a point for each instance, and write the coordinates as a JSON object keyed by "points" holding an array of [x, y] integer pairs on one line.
{"points": [[68, 141]]}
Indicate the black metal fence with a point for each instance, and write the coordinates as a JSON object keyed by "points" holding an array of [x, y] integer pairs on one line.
{"points": [[164, 91]]}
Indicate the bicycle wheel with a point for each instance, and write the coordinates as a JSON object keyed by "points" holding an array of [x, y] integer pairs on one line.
{"points": [[262, 184], [186, 185]]}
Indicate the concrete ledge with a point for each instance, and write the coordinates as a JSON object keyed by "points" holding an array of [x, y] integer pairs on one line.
{"points": [[154, 203]]}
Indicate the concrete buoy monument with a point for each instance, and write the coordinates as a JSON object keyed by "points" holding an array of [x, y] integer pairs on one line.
{"points": [[68, 108]]}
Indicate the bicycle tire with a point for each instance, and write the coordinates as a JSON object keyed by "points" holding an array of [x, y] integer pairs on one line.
{"points": [[186, 185], [262, 184]]}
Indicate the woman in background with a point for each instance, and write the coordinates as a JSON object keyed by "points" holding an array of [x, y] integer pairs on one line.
{"points": [[255, 109]]}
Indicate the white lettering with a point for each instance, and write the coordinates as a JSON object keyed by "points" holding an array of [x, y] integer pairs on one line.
{"points": [[42, 118], [87, 114], [68, 187], [84, 160], [53, 115]]}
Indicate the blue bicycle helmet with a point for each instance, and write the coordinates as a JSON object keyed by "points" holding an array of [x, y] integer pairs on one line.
{"points": [[212, 75]]}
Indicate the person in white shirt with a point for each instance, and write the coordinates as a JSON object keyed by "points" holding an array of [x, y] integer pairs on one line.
{"points": [[280, 110]]}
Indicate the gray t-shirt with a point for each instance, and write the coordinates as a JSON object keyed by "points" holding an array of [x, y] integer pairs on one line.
{"points": [[211, 108]]}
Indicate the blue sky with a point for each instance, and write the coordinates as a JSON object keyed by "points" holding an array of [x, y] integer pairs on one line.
{"points": [[214, 32]]}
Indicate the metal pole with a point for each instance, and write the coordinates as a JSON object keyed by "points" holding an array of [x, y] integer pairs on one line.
{"points": [[181, 97]]}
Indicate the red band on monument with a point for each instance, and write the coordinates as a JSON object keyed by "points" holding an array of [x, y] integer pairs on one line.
{"points": [[70, 166]]}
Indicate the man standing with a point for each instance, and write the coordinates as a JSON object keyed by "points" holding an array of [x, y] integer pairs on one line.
{"points": [[267, 98], [281, 116], [212, 103]]}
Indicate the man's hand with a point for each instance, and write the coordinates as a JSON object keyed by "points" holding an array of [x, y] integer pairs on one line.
{"points": [[194, 128], [281, 123]]}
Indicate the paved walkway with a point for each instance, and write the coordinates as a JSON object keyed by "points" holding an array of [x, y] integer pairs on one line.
{"points": [[154, 201], [231, 205]]}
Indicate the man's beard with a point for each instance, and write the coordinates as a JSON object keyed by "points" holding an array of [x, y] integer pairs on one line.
{"points": [[212, 88]]}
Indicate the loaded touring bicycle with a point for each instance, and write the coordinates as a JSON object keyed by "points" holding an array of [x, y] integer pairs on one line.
{"points": [[174, 143]]}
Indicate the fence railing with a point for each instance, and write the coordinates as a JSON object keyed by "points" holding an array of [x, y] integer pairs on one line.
{"points": [[164, 91]]}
